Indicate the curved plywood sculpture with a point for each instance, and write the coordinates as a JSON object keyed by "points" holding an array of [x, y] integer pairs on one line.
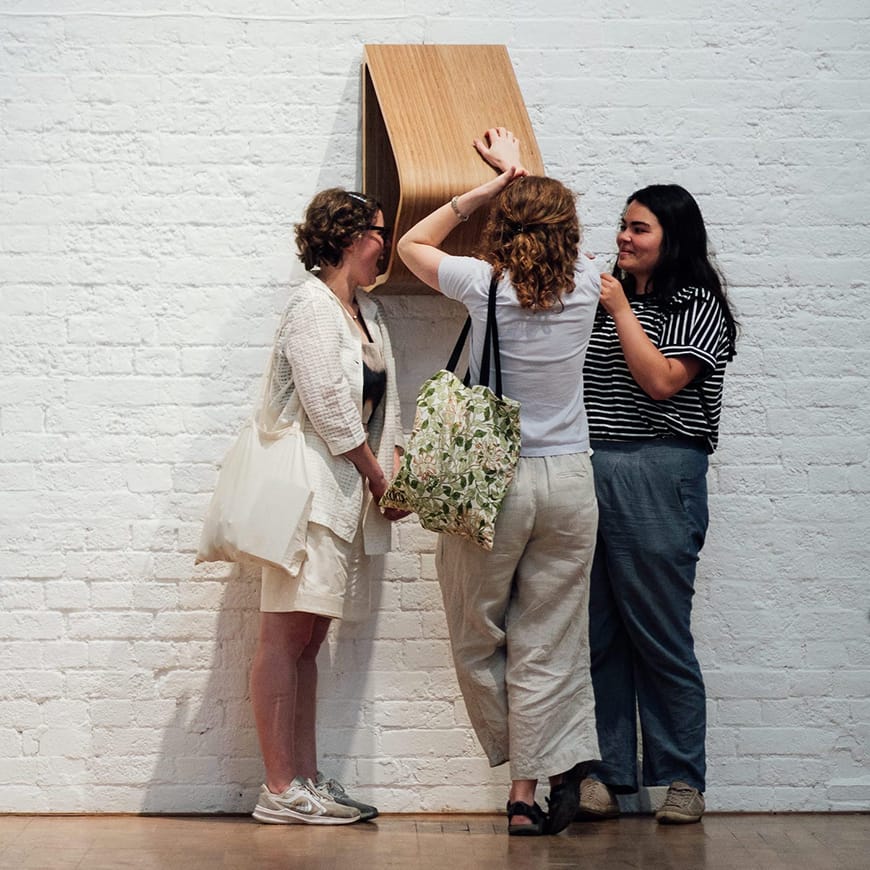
{"points": [[423, 105]]}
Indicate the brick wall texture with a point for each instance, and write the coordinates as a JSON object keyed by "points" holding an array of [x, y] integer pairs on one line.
{"points": [[153, 158]]}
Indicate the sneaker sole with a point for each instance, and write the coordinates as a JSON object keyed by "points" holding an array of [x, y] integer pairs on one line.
{"points": [[288, 817], [366, 813], [676, 819]]}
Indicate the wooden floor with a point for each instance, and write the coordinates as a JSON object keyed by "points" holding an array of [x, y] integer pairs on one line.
{"points": [[430, 842]]}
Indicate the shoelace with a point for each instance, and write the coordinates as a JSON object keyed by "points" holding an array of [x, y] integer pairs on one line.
{"points": [[679, 797], [333, 786], [593, 790]]}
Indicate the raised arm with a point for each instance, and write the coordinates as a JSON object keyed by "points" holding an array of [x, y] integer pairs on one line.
{"points": [[419, 247]]}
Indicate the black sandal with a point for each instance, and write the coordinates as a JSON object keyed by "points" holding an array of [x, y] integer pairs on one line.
{"points": [[532, 828]]}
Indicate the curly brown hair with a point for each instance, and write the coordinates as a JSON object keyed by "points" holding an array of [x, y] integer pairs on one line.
{"points": [[533, 233], [333, 219]]}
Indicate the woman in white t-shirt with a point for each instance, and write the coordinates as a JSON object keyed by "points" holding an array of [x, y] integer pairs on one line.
{"points": [[517, 614], [655, 369]]}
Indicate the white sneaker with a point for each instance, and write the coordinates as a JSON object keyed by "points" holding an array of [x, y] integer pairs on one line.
{"points": [[302, 804]]}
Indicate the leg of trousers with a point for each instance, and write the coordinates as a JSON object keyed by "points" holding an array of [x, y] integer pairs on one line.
{"points": [[653, 502], [518, 622]]}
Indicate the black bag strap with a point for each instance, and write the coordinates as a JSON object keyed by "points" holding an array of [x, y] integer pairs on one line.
{"points": [[490, 344], [457, 349], [491, 341]]}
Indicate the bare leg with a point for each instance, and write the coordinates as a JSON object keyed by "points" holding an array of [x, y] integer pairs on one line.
{"points": [[284, 637], [305, 733]]}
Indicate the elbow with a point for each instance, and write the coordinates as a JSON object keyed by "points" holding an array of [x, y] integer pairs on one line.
{"points": [[421, 259], [403, 249], [658, 393], [661, 385]]}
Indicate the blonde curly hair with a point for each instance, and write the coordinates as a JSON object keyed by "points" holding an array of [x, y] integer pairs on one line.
{"points": [[533, 233]]}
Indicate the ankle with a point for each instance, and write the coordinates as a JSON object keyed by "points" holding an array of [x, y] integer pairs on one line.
{"points": [[278, 786], [523, 790]]}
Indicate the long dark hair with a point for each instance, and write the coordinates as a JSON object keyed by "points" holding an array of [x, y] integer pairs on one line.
{"points": [[684, 259]]}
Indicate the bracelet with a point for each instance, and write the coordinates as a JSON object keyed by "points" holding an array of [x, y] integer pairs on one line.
{"points": [[454, 204]]}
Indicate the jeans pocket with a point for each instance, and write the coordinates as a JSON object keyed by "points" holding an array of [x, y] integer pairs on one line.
{"points": [[693, 495]]}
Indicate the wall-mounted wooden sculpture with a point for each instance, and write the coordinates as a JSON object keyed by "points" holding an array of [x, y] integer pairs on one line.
{"points": [[423, 105]]}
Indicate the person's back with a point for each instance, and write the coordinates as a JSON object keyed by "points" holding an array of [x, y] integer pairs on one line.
{"points": [[522, 664], [542, 351]]}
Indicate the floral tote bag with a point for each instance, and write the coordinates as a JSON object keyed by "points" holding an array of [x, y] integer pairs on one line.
{"points": [[463, 451]]}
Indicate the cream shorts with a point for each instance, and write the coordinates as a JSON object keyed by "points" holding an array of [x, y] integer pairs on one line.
{"points": [[330, 583]]}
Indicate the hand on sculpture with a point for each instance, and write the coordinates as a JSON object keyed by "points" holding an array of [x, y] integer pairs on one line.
{"points": [[501, 149]]}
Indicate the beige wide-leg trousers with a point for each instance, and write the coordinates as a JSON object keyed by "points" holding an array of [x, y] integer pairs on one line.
{"points": [[518, 620]]}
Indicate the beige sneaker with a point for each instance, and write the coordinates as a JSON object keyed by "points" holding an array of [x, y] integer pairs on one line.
{"points": [[302, 804], [596, 801], [683, 805]]}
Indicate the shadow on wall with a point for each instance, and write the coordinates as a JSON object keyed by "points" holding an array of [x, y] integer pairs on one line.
{"points": [[347, 721], [209, 758]]}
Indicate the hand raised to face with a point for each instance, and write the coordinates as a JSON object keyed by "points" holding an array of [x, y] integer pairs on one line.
{"points": [[612, 295]]}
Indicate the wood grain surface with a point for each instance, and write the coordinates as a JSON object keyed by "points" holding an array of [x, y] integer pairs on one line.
{"points": [[423, 105]]}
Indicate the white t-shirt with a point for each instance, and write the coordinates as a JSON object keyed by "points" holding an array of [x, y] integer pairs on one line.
{"points": [[542, 352]]}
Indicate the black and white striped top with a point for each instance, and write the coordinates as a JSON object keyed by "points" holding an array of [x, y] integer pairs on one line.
{"points": [[690, 323]]}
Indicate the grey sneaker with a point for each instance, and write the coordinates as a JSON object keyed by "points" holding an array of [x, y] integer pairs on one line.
{"points": [[683, 804], [302, 804], [596, 801], [334, 790]]}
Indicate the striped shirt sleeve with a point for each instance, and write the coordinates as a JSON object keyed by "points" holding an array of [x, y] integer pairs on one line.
{"points": [[695, 330]]}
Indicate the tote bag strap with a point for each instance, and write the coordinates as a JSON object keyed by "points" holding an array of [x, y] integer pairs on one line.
{"points": [[266, 390], [460, 344], [490, 344]]}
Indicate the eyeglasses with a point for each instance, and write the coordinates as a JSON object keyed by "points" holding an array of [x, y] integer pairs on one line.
{"points": [[383, 232]]}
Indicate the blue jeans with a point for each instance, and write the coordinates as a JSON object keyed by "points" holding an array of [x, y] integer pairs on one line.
{"points": [[652, 499]]}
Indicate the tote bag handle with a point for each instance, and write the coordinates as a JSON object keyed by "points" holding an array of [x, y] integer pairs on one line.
{"points": [[265, 391], [490, 344]]}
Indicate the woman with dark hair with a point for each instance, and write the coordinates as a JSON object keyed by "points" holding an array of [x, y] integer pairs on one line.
{"points": [[654, 372], [517, 615], [333, 369], [663, 335]]}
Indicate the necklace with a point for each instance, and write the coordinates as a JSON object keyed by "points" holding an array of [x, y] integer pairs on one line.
{"points": [[348, 308]]}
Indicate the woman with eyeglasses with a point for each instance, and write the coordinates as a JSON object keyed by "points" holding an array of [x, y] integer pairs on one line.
{"points": [[332, 360]]}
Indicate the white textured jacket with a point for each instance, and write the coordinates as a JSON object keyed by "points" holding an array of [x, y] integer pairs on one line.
{"points": [[317, 372]]}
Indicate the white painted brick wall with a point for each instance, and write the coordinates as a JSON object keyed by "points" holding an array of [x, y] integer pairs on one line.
{"points": [[152, 160]]}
